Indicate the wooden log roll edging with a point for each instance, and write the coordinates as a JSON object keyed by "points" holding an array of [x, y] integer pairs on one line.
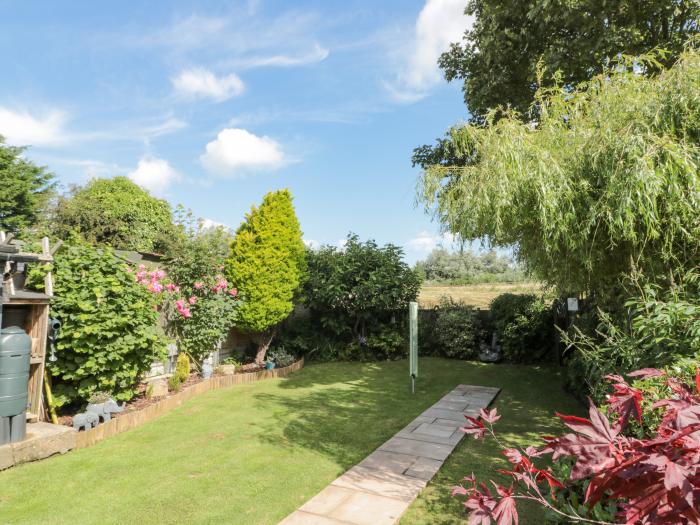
{"points": [[125, 422]]}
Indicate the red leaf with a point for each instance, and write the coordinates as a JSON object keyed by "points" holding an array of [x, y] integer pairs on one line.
{"points": [[647, 372], [505, 512], [697, 379], [490, 416]]}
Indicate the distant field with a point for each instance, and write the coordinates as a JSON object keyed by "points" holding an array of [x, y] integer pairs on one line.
{"points": [[479, 295]]}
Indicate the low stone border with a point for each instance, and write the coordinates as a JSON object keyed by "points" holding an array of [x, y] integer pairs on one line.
{"points": [[135, 419]]}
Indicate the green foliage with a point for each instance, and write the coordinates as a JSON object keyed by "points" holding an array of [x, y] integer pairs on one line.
{"points": [[197, 251], [195, 264], [26, 189], [514, 46], [281, 357], [660, 328], [109, 335], [363, 285], [182, 367], [267, 262], [116, 212], [174, 383], [456, 330], [442, 266], [524, 326], [604, 183]]}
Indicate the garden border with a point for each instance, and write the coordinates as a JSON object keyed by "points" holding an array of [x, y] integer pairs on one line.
{"points": [[135, 419]]}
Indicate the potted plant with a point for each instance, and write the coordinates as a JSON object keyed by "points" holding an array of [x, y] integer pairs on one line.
{"points": [[281, 358], [228, 366]]}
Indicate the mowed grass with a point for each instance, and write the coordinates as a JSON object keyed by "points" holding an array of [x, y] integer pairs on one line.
{"points": [[251, 454], [478, 295]]}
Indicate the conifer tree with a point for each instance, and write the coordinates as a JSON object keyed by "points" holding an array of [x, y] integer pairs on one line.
{"points": [[266, 263]]}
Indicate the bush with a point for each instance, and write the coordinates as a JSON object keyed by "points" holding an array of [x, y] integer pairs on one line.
{"points": [[353, 291], [654, 479], [524, 326], [660, 329], [457, 330], [174, 383], [109, 335], [182, 367], [115, 212]]}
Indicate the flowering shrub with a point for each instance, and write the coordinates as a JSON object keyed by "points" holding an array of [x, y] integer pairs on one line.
{"points": [[650, 481], [199, 316]]}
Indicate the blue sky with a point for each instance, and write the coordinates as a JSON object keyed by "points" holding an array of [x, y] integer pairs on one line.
{"points": [[211, 104]]}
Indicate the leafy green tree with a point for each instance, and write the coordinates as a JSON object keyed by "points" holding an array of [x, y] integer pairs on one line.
{"points": [[359, 287], [116, 212], [466, 267], [25, 191], [267, 264], [499, 57], [605, 184]]}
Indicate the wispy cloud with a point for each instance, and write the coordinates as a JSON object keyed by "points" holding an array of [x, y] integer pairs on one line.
{"points": [[439, 23], [425, 242], [201, 83], [312, 56]]}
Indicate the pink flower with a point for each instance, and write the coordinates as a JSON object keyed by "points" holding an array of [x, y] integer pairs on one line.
{"points": [[233, 292], [155, 287], [198, 285], [170, 287], [192, 300], [184, 310]]}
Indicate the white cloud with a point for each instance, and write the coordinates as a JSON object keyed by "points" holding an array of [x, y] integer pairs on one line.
{"points": [[208, 224], [154, 174], [439, 23], [24, 129], [202, 83], [425, 242], [313, 244], [236, 151]]}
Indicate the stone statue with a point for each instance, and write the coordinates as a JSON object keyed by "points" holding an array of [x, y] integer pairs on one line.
{"points": [[85, 420], [105, 410]]}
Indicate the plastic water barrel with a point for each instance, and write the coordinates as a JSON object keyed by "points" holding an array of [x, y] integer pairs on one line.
{"points": [[15, 351]]}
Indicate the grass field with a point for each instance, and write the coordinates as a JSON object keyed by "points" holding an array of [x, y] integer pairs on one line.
{"points": [[479, 295], [251, 454]]}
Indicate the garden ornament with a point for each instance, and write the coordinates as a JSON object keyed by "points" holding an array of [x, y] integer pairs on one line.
{"points": [[493, 354], [105, 410], [85, 420]]}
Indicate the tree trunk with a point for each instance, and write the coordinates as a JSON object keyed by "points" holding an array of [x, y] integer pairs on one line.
{"points": [[264, 340]]}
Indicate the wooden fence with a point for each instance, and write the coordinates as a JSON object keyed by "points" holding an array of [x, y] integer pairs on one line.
{"points": [[125, 422]]}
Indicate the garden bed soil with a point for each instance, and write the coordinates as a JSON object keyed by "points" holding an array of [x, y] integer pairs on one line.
{"points": [[140, 401]]}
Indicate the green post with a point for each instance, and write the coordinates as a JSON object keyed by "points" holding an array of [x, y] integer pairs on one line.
{"points": [[413, 343]]}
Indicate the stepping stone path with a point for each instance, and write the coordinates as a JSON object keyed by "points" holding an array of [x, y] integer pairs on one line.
{"points": [[380, 488]]}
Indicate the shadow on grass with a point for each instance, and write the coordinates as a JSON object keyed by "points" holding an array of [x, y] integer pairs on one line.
{"points": [[350, 409]]}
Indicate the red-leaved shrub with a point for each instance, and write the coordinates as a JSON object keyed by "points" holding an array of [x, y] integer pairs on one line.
{"points": [[653, 481]]}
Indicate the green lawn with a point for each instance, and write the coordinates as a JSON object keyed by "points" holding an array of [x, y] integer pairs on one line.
{"points": [[253, 453]]}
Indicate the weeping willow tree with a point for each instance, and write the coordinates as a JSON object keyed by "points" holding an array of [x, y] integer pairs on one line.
{"points": [[606, 183]]}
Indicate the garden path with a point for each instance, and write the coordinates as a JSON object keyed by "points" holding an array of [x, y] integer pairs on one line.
{"points": [[381, 487]]}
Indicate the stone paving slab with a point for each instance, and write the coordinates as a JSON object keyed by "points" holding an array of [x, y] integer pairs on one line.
{"points": [[382, 486]]}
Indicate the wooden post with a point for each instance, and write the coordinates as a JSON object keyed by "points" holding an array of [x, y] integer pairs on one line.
{"points": [[48, 281]]}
